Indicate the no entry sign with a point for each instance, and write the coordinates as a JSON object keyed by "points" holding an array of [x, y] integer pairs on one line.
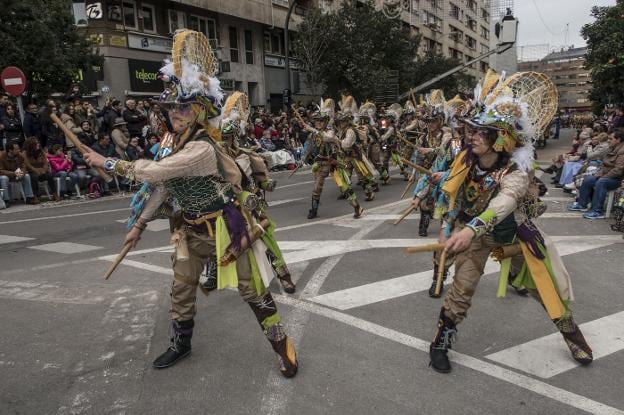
{"points": [[13, 81]]}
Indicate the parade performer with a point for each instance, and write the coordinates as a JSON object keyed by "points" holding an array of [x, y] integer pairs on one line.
{"points": [[389, 142], [412, 130], [325, 152], [428, 191], [432, 145], [488, 188], [216, 218], [367, 122], [353, 141], [255, 177]]}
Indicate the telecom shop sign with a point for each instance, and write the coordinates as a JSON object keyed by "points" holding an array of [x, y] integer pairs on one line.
{"points": [[150, 42], [144, 76]]}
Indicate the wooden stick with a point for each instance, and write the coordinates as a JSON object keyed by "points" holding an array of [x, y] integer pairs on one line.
{"points": [[409, 184], [506, 251], [79, 146], [440, 276], [404, 215], [424, 248], [421, 169], [124, 251]]}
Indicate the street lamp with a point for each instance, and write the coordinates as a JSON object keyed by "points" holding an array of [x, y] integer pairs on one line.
{"points": [[286, 94]]}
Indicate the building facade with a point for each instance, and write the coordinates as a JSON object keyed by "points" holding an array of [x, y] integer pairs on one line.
{"points": [[135, 37], [567, 70]]}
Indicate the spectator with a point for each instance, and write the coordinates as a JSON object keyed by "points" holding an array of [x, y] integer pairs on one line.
{"points": [[157, 121], [151, 147], [12, 126], [135, 119], [61, 167], [37, 165], [258, 128], [4, 101], [71, 122], [86, 134], [104, 146], [609, 177], [83, 171], [590, 152], [51, 134], [32, 123], [73, 94], [86, 112], [13, 170], [617, 121], [133, 151], [266, 142], [111, 113], [120, 136], [142, 107]]}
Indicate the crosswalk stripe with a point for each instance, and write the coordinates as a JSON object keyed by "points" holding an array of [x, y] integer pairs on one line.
{"points": [[9, 239], [548, 356], [413, 283], [65, 247], [283, 202]]}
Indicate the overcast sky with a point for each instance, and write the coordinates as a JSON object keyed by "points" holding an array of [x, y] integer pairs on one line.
{"points": [[555, 14]]}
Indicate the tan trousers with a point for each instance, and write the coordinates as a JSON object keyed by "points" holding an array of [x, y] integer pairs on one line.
{"points": [[186, 275], [469, 266]]}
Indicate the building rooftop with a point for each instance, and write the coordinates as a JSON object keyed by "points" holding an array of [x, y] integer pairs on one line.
{"points": [[572, 53]]}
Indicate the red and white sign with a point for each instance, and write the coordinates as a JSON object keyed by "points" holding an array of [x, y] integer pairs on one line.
{"points": [[13, 81]]}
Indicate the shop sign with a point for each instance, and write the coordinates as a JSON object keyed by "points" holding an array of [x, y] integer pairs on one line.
{"points": [[280, 62], [118, 41], [144, 76], [227, 84], [147, 42]]}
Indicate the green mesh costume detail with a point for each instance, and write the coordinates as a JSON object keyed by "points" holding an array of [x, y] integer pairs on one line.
{"points": [[200, 194]]}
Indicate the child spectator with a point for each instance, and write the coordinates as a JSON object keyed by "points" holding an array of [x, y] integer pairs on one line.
{"points": [[61, 167]]}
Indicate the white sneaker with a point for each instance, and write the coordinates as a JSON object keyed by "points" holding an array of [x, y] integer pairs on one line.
{"points": [[569, 186]]}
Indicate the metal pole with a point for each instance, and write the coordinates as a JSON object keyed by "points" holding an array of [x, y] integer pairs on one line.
{"points": [[291, 6]]}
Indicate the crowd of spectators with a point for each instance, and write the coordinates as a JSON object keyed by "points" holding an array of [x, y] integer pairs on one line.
{"points": [[38, 161]]}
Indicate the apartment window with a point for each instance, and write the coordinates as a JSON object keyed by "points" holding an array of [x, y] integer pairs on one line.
{"points": [[483, 66], [456, 35], [471, 43], [233, 35], [472, 5], [485, 33], [454, 12], [129, 15], [485, 15], [484, 48], [249, 55], [176, 20], [204, 25], [472, 24], [147, 16]]}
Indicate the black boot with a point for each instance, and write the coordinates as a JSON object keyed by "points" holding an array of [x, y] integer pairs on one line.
{"points": [[424, 224], [180, 347], [312, 213], [341, 196], [283, 275], [442, 342], [211, 276], [357, 210], [521, 290], [265, 311], [581, 352], [432, 293]]}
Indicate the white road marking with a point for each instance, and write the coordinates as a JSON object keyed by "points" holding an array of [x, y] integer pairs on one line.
{"points": [[9, 239], [46, 292], [294, 184], [157, 225], [64, 216], [549, 356], [413, 283], [65, 247], [283, 202], [516, 379]]}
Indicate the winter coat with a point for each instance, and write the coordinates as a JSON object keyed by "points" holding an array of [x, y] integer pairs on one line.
{"points": [[104, 151], [38, 165], [597, 152], [70, 124], [136, 120], [59, 163], [12, 129], [613, 163], [8, 164], [51, 134], [32, 125]]}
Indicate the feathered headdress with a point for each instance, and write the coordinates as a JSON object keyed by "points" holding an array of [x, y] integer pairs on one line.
{"points": [[433, 106], [235, 113], [519, 109], [409, 109], [191, 76], [367, 111], [348, 109], [394, 111], [326, 110]]}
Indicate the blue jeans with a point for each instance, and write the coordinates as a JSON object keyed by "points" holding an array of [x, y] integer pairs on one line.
{"points": [[596, 188], [24, 182], [64, 176]]}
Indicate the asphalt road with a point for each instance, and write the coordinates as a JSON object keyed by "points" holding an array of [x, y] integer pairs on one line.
{"points": [[73, 343]]}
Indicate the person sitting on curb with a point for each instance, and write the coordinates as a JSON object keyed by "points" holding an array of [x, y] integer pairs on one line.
{"points": [[595, 188]]}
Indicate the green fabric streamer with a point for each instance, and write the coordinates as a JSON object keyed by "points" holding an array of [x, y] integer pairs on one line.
{"points": [[268, 238], [226, 276], [256, 278], [271, 320], [504, 276]]}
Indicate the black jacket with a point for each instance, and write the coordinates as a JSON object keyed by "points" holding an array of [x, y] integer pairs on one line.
{"points": [[136, 120], [12, 129], [32, 125]]}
